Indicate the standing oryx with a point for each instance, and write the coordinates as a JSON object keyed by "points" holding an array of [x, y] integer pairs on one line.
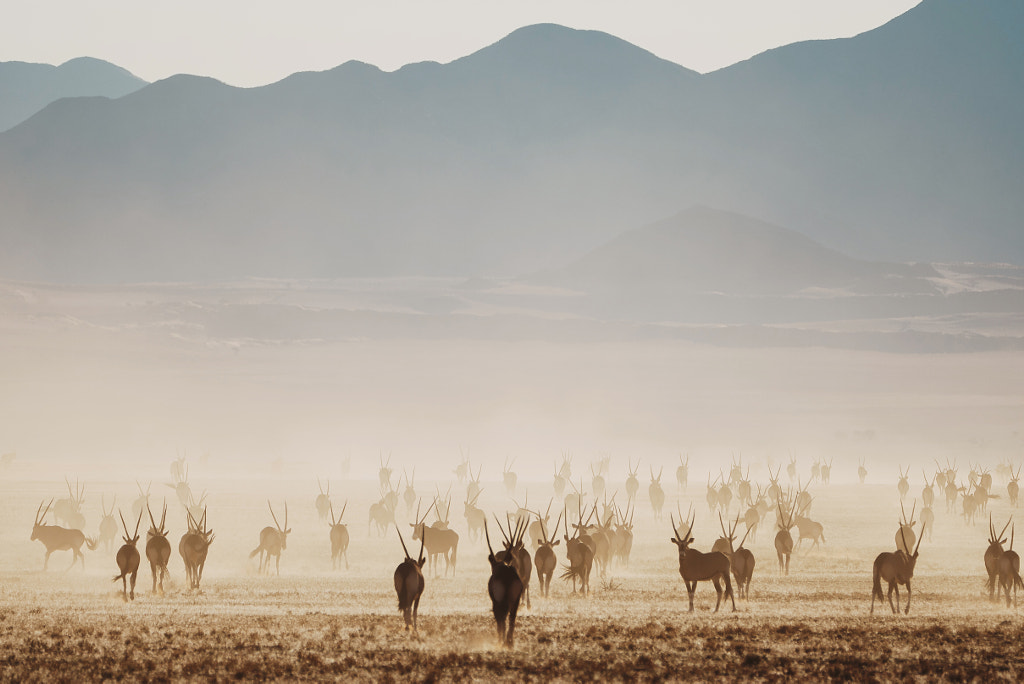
{"points": [[323, 500], [509, 477], [1008, 567], [505, 586], [108, 526], [272, 542], [1013, 487], [683, 472], [783, 538], [56, 538], [128, 559], [741, 560], [903, 486], [896, 568], [339, 538], [193, 547], [544, 557], [158, 549], [409, 583], [579, 551], [632, 483], [695, 566], [69, 510], [656, 493], [516, 554], [443, 542], [992, 555], [905, 536]]}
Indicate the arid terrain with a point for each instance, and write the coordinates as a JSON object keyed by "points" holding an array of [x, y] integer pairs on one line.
{"points": [[312, 622]]}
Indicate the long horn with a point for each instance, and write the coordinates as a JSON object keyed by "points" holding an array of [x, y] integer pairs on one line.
{"points": [[501, 529], [333, 521], [343, 507], [552, 539], [151, 520], [423, 540], [904, 537], [272, 515], [407, 557], [1005, 526], [744, 538], [137, 523], [163, 516], [488, 537], [122, 522], [918, 539], [672, 518]]}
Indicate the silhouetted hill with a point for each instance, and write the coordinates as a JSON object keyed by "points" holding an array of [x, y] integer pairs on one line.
{"points": [[26, 88], [900, 144]]}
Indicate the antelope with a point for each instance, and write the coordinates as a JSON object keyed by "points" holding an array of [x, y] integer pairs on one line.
{"points": [[384, 473], [895, 568], [683, 472], [56, 538], [951, 491], [409, 583], [623, 544], [179, 471], [158, 549], [695, 566], [986, 480], [790, 468], [826, 471], [505, 587], [774, 488], [538, 528], [906, 529], [736, 471], [194, 507], [1008, 568], [545, 558], [559, 484], [940, 476], [808, 529], [128, 559], [752, 518], [339, 538], [632, 483], [108, 526], [69, 510], [862, 471], [181, 487], [474, 517], [743, 489], [783, 539], [904, 484], [928, 493], [1013, 488], [741, 560], [443, 542], [656, 493], [724, 495], [597, 481], [323, 500], [409, 494], [142, 500], [382, 514], [712, 495], [193, 547], [272, 542], [574, 498], [473, 488], [580, 556], [565, 470], [509, 477], [927, 521], [517, 555], [461, 471], [992, 555]]}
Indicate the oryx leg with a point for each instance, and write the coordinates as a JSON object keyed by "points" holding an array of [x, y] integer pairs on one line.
{"points": [[134, 575], [718, 590], [907, 611]]}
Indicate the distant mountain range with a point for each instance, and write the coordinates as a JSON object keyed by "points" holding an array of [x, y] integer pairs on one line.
{"points": [[26, 88], [901, 144]]}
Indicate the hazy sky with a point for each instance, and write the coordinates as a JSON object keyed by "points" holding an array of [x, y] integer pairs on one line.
{"points": [[253, 42]]}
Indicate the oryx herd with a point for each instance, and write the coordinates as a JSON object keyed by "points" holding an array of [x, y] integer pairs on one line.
{"points": [[597, 532]]}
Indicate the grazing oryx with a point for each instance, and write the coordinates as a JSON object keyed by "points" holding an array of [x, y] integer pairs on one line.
{"points": [[108, 526], [443, 542], [158, 549], [896, 568], [128, 559], [545, 558], [323, 500], [339, 538], [505, 586], [272, 542], [56, 538], [783, 539], [695, 566], [193, 547], [409, 583], [656, 493], [1008, 567], [992, 555]]}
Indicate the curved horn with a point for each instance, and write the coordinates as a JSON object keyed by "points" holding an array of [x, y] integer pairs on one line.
{"points": [[272, 514]]}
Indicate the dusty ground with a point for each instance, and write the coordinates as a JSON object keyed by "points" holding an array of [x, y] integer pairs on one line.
{"points": [[315, 623]]}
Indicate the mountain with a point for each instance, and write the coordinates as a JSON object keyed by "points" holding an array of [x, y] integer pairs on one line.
{"points": [[26, 88], [900, 144], [704, 250]]}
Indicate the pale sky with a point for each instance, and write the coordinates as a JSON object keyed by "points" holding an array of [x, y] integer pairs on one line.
{"points": [[254, 42]]}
